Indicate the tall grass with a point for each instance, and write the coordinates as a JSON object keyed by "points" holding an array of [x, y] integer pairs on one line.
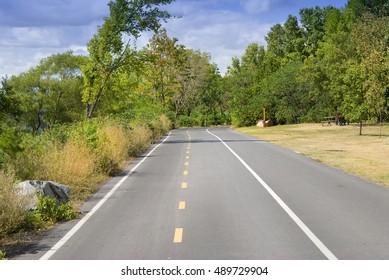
{"points": [[12, 205], [112, 147], [139, 139], [79, 155], [72, 164]]}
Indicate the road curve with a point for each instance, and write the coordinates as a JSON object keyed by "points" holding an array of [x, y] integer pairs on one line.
{"points": [[219, 194]]}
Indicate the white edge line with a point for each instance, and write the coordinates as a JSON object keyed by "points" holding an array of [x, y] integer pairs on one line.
{"points": [[283, 205], [71, 232]]}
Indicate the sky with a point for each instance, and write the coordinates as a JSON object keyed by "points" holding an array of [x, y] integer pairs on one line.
{"points": [[31, 30]]}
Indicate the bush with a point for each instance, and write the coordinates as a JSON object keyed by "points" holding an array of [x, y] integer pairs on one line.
{"points": [[139, 139], [9, 144], [72, 164], [112, 148], [160, 126], [13, 207], [2, 255], [28, 163], [188, 121], [51, 213], [47, 214], [79, 155]]}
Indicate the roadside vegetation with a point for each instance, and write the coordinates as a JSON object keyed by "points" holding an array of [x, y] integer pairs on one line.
{"points": [[78, 119]]}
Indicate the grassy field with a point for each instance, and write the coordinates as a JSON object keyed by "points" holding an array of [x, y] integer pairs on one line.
{"points": [[342, 147]]}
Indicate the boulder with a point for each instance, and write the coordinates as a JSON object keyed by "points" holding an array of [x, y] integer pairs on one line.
{"points": [[44, 188]]}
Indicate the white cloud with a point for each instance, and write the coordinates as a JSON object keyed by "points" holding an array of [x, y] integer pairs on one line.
{"points": [[223, 28], [256, 6], [223, 34]]}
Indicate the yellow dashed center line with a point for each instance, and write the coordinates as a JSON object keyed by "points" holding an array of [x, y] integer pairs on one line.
{"points": [[181, 205], [178, 235]]}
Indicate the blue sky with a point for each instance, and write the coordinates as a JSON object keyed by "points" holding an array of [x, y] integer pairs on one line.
{"points": [[34, 29]]}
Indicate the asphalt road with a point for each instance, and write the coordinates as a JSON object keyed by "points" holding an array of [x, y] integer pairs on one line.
{"points": [[218, 194]]}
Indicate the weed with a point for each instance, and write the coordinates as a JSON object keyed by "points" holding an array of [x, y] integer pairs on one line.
{"points": [[139, 139], [112, 148], [12, 205], [2, 255], [71, 164], [50, 212]]}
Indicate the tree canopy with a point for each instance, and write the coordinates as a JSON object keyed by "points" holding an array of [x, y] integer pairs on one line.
{"points": [[326, 62]]}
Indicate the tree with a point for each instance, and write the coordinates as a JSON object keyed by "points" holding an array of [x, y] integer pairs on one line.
{"points": [[313, 21], [164, 59], [9, 104], [370, 35], [61, 77], [49, 93], [110, 50], [285, 43], [376, 7], [285, 95], [243, 80]]}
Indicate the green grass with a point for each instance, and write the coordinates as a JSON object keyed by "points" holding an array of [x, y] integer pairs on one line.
{"points": [[342, 147]]}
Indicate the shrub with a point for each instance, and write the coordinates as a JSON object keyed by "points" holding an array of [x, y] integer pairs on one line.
{"points": [[139, 139], [50, 212], [71, 164], [2, 255], [13, 206], [112, 147], [28, 163], [160, 126], [188, 121], [9, 144], [47, 214]]}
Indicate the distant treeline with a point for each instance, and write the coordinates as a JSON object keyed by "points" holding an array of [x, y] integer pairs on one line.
{"points": [[333, 62]]}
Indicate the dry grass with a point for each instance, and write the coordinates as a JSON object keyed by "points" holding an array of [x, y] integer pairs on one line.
{"points": [[12, 205], [366, 156], [112, 147], [140, 139], [71, 164], [160, 126]]}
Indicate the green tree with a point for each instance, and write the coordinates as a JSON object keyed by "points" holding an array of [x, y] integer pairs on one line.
{"points": [[324, 72], [110, 49], [49, 93], [284, 95], [370, 36], [243, 80], [376, 7], [9, 103], [313, 21], [164, 59], [61, 78]]}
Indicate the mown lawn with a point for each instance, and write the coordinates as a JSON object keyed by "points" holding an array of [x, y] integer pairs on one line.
{"points": [[342, 147]]}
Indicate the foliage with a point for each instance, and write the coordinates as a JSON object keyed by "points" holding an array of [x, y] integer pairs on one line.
{"points": [[9, 144], [52, 212], [76, 119], [334, 63], [2, 255], [108, 52], [12, 205], [47, 94]]}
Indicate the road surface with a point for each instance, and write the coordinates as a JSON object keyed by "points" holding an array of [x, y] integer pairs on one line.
{"points": [[218, 194]]}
